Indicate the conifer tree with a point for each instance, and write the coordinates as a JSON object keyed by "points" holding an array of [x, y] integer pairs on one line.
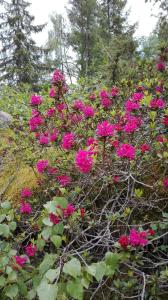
{"points": [[20, 57]]}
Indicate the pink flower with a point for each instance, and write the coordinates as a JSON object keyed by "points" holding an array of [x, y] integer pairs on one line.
{"points": [[165, 120], [84, 161], [60, 107], [130, 127], [69, 210], [31, 250], [123, 241], [157, 103], [35, 100], [54, 135], [137, 238], [126, 150], [76, 118], [52, 171], [145, 148], [42, 165], [26, 193], [129, 106], [160, 66], [116, 179], [104, 129], [35, 122], [105, 99], [137, 96], [160, 139], [52, 93], [106, 102], [43, 139], [54, 219], [68, 141], [78, 105], [20, 260], [88, 111], [165, 182], [64, 180], [51, 112], [114, 91], [90, 141], [151, 232], [58, 77], [25, 208], [92, 97], [159, 89]]}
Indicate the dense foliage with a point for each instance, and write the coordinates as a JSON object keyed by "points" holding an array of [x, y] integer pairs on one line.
{"points": [[95, 224]]}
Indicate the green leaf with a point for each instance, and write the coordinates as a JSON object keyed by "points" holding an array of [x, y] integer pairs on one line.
{"points": [[73, 268], [60, 201], [47, 291], [46, 221], [12, 291], [57, 240], [6, 205], [47, 263], [4, 230], [138, 193], [111, 260], [46, 233], [58, 229], [12, 226], [2, 218], [75, 289], [52, 274], [2, 281]]}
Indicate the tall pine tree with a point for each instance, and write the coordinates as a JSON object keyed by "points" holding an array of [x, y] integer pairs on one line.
{"points": [[20, 57], [82, 16]]}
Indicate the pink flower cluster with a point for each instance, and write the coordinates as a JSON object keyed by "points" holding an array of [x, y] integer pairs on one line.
{"points": [[64, 180], [31, 250], [161, 66], [135, 238], [25, 208], [105, 99], [157, 103], [20, 260], [88, 111], [58, 77], [35, 100], [35, 122], [105, 129], [42, 165], [68, 141], [130, 106], [84, 161], [78, 105], [26, 193], [127, 151], [114, 91], [67, 212]]}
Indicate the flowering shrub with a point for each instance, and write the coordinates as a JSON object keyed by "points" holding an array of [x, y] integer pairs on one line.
{"points": [[95, 225]]}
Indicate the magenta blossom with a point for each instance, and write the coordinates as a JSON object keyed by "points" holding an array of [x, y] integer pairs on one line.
{"points": [[54, 135], [130, 127], [68, 141], [114, 91], [84, 161], [165, 182], [138, 238], [43, 139], [69, 210], [127, 151], [25, 208], [54, 219], [92, 97], [161, 66], [35, 122], [51, 112], [137, 97], [35, 100], [20, 260], [31, 250], [88, 111], [90, 141], [64, 180], [42, 166], [145, 148], [52, 93], [26, 193], [104, 129], [157, 103], [78, 105], [130, 106], [58, 77]]}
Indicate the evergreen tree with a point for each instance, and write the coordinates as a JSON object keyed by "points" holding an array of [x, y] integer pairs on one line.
{"points": [[57, 48], [82, 16], [20, 57], [117, 43]]}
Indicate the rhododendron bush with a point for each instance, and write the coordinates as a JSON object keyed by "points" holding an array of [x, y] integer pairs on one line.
{"points": [[96, 224]]}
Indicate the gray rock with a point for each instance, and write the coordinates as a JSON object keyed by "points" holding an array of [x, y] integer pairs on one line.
{"points": [[5, 119]]}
